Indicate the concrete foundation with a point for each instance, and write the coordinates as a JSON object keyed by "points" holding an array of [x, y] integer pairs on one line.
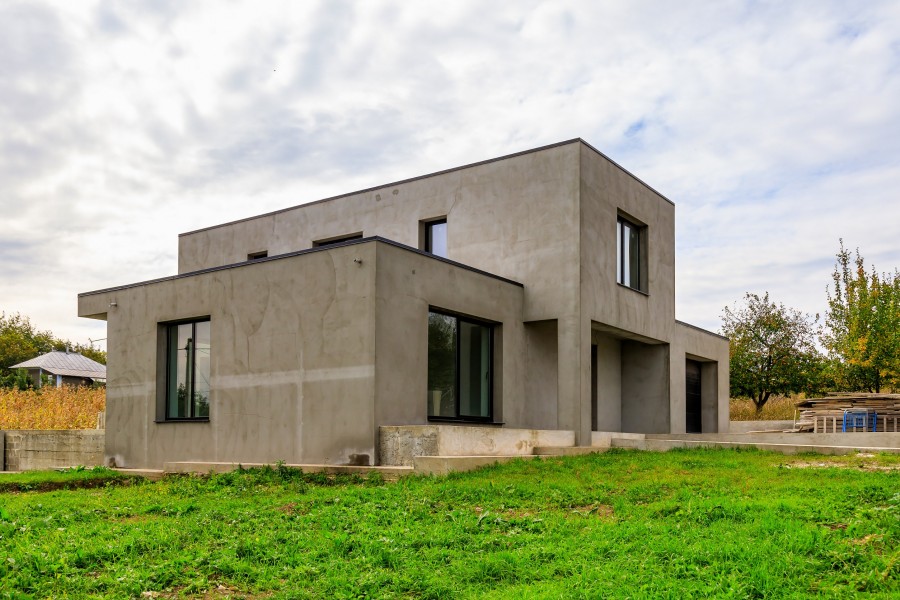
{"points": [[29, 450], [400, 445], [757, 426]]}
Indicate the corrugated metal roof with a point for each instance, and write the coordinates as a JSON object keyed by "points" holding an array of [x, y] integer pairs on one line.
{"points": [[70, 364]]}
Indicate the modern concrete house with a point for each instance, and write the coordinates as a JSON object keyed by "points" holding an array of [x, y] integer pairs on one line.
{"points": [[529, 297]]}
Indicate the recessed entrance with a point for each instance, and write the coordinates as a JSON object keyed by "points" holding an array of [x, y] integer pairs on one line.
{"points": [[693, 404]]}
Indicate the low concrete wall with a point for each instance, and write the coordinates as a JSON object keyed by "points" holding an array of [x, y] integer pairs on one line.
{"points": [[840, 440], [29, 450], [748, 426], [398, 445]]}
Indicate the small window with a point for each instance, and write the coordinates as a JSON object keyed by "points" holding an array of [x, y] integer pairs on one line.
{"points": [[436, 238], [257, 255], [187, 370], [460, 363], [630, 255], [337, 240]]}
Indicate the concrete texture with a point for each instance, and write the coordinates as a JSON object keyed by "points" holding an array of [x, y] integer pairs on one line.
{"points": [[401, 445], [756, 426], [294, 375], [388, 473], [29, 450], [315, 348]]}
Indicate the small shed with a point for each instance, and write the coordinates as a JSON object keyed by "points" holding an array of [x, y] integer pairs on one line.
{"points": [[66, 367]]}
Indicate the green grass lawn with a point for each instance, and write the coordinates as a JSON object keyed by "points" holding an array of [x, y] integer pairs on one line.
{"points": [[693, 523]]}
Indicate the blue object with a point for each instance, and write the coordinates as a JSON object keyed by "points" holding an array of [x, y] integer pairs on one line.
{"points": [[860, 418]]}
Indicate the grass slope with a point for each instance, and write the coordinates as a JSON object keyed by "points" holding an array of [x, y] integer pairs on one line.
{"points": [[693, 523]]}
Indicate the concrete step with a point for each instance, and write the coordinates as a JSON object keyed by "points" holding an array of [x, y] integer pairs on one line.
{"points": [[388, 473], [566, 450], [151, 474]]}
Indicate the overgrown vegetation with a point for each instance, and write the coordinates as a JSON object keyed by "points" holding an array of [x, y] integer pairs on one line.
{"points": [[863, 325], [65, 407], [778, 408], [698, 523], [775, 349], [64, 479], [21, 341]]}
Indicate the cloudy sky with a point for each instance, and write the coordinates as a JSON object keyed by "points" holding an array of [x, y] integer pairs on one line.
{"points": [[773, 126]]}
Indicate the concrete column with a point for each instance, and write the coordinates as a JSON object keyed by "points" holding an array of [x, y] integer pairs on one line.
{"points": [[574, 379], [609, 383]]}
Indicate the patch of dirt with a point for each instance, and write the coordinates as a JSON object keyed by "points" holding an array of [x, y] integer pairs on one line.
{"points": [[834, 526], [220, 592], [872, 537], [863, 466], [604, 511]]}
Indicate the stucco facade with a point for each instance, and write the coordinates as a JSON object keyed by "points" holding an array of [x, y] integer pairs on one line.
{"points": [[314, 347]]}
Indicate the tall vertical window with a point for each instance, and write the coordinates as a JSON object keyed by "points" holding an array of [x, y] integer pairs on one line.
{"points": [[436, 238], [460, 357], [187, 370], [630, 259]]}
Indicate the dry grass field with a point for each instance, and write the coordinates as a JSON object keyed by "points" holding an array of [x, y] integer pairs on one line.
{"points": [[51, 408], [778, 408]]}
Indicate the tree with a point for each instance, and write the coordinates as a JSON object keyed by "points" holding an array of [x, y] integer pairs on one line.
{"points": [[772, 349], [20, 341], [862, 323]]}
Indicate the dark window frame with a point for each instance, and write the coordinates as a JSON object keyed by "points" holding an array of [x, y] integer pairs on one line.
{"points": [[428, 235], [491, 327], [258, 255], [170, 327], [637, 281], [337, 240]]}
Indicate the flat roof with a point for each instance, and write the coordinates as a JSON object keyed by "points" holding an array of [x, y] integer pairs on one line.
{"points": [[300, 253], [435, 174]]}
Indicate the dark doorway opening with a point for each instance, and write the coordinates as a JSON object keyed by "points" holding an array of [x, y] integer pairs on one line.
{"points": [[693, 422]]}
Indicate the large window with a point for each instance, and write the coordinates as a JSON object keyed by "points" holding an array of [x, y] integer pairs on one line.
{"points": [[436, 237], [187, 370], [460, 357], [630, 255]]}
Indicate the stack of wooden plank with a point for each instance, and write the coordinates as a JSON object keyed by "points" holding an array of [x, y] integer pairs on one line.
{"points": [[826, 415]]}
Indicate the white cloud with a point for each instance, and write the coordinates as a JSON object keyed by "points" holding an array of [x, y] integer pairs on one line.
{"points": [[771, 125]]}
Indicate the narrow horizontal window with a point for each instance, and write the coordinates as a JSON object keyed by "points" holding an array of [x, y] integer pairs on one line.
{"points": [[337, 240]]}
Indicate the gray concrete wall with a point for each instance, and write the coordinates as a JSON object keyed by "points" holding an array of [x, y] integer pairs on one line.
{"points": [[408, 285], [748, 426], [516, 218], [609, 382], [294, 344], [540, 410], [399, 445], [711, 351], [606, 192], [292, 366], [314, 354], [645, 387], [29, 450]]}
